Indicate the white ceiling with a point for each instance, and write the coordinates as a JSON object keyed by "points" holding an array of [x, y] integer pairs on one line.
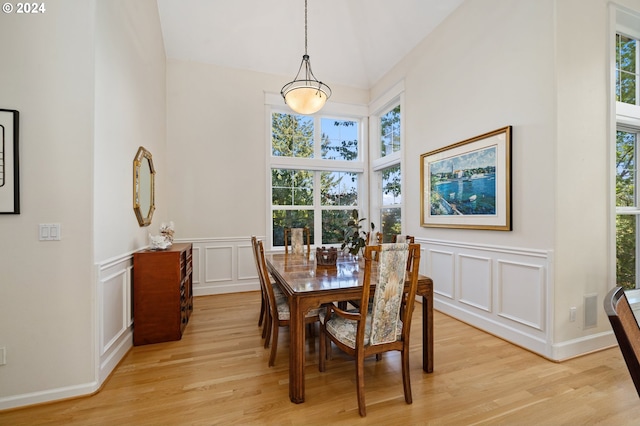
{"points": [[350, 42]]}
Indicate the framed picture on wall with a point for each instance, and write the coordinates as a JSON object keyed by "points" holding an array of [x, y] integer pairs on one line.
{"points": [[9, 176], [468, 184]]}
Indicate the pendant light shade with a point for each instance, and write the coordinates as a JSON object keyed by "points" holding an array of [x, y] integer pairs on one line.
{"points": [[305, 94]]}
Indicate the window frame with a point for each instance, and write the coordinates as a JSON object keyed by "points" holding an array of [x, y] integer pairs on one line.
{"points": [[332, 110], [391, 99], [625, 117]]}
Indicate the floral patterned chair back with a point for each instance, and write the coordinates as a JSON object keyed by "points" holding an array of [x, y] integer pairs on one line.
{"points": [[388, 297], [298, 237]]}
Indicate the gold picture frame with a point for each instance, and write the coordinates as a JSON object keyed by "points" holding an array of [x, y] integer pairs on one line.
{"points": [[467, 185]]}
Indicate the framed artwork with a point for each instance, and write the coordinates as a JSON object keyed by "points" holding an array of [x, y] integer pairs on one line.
{"points": [[9, 176], [468, 184]]}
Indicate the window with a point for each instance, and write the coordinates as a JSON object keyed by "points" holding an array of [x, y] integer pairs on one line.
{"points": [[391, 212], [627, 70], [387, 171], [627, 208], [316, 175], [627, 99]]}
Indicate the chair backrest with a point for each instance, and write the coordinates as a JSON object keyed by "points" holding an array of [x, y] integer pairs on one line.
{"points": [[392, 303], [256, 244], [403, 239], [298, 237], [373, 239], [626, 329], [265, 281]]}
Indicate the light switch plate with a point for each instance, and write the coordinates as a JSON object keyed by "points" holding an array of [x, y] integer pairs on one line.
{"points": [[49, 232]]}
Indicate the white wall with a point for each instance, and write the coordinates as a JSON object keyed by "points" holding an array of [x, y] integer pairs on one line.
{"points": [[130, 111], [541, 67], [216, 131], [89, 81], [46, 288]]}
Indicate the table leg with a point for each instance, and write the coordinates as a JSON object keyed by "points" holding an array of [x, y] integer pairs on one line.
{"points": [[296, 351], [427, 333]]}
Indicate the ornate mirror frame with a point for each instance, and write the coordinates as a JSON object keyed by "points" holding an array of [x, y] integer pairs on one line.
{"points": [[143, 187]]}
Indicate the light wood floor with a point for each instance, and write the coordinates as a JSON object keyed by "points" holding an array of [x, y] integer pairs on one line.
{"points": [[218, 374]]}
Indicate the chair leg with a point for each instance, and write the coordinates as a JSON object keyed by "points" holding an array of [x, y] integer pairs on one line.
{"points": [[266, 317], [262, 310], [406, 376], [362, 409], [323, 350], [267, 330], [274, 345]]}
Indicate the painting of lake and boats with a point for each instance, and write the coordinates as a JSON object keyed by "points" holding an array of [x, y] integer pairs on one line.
{"points": [[467, 185]]}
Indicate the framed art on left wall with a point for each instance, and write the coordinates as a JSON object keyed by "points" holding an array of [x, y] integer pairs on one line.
{"points": [[9, 166]]}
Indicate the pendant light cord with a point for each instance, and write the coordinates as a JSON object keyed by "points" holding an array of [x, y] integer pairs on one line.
{"points": [[305, 27]]}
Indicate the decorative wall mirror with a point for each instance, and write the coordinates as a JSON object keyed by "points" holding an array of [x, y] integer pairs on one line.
{"points": [[143, 187]]}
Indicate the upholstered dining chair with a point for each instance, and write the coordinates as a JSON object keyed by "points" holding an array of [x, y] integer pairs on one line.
{"points": [[298, 238], [626, 329], [279, 313], [387, 326]]}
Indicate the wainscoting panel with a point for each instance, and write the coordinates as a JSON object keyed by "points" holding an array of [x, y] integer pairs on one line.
{"points": [[440, 267], [218, 264], [114, 312], [502, 290], [522, 293], [227, 265], [246, 263], [475, 281]]}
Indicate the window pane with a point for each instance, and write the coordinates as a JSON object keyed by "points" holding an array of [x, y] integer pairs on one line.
{"points": [[391, 186], [291, 187], [390, 132], [391, 223], [339, 139], [626, 69], [291, 219], [339, 189], [333, 225], [626, 169], [626, 250], [291, 135]]}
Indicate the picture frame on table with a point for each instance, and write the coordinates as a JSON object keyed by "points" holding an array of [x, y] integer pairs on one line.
{"points": [[9, 164], [467, 185]]}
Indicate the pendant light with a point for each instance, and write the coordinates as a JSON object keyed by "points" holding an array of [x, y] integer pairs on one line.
{"points": [[305, 94]]}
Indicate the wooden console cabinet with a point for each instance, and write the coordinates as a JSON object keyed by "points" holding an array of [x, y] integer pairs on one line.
{"points": [[162, 293]]}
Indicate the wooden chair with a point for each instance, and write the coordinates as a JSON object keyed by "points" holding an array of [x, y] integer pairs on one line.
{"points": [[373, 239], [387, 327], [279, 313], [298, 235], [264, 309], [625, 327]]}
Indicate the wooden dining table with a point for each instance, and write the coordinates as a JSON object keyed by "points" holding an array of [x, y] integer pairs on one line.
{"points": [[308, 286]]}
